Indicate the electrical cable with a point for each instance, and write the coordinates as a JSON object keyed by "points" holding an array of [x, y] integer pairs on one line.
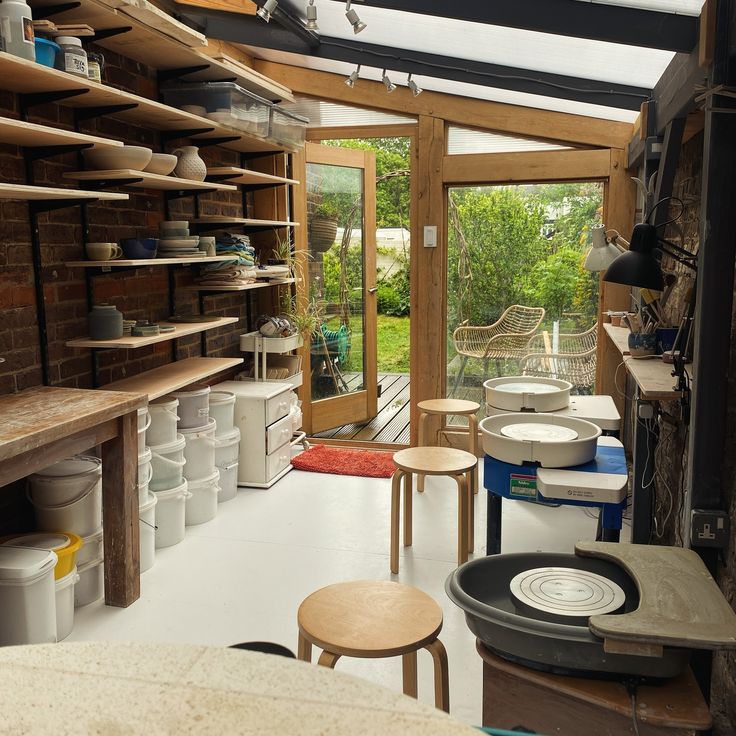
{"points": [[671, 198]]}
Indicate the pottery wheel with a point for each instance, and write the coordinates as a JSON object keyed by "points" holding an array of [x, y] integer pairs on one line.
{"points": [[528, 387], [565, 591], [537, 432]]}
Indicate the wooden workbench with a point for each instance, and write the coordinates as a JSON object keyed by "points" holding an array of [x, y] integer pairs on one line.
{"points": [[43, 425]]}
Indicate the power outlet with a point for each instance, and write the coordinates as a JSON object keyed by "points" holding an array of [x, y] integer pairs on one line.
{"points": [[709, 528]]}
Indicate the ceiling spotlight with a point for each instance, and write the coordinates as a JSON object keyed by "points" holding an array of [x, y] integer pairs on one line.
{"points": [[266, 9], [390, 86], [352, 16], [353, 78], [416, 90], [312, 16]]}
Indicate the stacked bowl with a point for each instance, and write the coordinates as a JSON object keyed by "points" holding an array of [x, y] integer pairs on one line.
{"points": [[176, 242]]}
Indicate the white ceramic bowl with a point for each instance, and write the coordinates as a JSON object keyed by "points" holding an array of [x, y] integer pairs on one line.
{"points": [[173, 225], [117, 157], [200, 110], [161, 163]]}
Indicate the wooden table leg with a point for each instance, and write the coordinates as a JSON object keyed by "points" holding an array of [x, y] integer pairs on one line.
{"points": [[328, 659], [441, 675], [120, 513], [304, 648], [421, 442], [462, 519], [473, 448], [395, 513], [408, 523], [409, 672], [471, 511]]}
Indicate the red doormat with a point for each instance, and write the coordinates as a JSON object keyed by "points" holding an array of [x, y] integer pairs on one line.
{"points": [[343, 461]]}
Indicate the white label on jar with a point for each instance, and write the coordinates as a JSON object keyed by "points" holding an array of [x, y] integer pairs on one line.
{"points": [[28, 30], [6, 31], [94, 71], [75, 64], [204, 412]]}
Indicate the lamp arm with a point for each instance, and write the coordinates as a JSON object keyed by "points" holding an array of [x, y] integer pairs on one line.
{"points": [[615, 238], [679, 254]]}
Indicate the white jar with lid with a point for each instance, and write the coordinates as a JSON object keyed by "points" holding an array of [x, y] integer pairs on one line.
{"points": [[72, 58], [16, 29]]}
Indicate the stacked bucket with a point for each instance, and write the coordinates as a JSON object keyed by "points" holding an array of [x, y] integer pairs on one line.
{"points": [[227, 442], [146, 499], [198, 430]]}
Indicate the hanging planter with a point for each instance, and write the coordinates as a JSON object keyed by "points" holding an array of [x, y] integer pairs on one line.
{"points": [[322, 233]]}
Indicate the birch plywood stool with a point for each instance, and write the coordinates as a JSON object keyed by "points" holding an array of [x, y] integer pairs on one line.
{"points": [[456, 464], [374, 620], [446, 408]]}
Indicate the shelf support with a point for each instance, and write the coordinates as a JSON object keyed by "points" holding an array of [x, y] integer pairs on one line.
{"points": [[36, 153], [172, 135], [204, 142], [104, 33], [166, 75], [181, 193], [49, 10], [89, 113], [27, 100]]}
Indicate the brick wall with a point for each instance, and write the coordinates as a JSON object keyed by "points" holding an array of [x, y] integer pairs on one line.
{"points": [[138, 293]]}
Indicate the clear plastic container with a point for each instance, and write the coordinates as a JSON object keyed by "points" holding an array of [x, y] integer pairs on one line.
{"points": [[225, 102], [287, 128]]}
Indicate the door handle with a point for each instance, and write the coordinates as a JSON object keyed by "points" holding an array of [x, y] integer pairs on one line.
{"points": [[373, 290]]}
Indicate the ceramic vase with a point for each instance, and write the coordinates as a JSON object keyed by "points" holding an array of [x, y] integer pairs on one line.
{"points": [[105, 322], [190, 165]]}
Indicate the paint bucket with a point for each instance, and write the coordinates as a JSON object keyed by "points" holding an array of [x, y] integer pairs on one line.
{"points": [[202, 503], [194, 407], [91, 584], [227, 448], [162, 429], [222, 410], [144, 421], [170, 515], [199, 451], [68, 495], [27, 596], [93, 550], [147, 520], [145, 472], [65, 604], [167, 463]]}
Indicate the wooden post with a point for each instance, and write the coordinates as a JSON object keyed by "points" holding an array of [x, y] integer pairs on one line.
{"points": [[428, 269]]}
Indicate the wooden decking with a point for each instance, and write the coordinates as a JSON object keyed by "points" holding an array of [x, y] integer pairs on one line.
{"points": [[392, 422]]}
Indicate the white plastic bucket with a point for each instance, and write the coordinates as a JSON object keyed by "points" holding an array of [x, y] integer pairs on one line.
{"points": [[202, 503], [91, 584], [147, 520], [65, 604], [92, 550], [27, 596], [68, 496], [222, 410], [162, 429], [144, 421], [228, 482], [200, 451], [170, 515], [145, 473], [194, 407], [167, 463]]}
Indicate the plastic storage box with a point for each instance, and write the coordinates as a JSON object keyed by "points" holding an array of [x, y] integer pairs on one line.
{"points": [[287, 128], [225, 102]]}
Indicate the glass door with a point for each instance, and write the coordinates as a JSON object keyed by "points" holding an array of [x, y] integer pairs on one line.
{"points": [[341, 286]]}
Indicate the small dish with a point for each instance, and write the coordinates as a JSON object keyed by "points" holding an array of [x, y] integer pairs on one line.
{"points": [[166, 328]]}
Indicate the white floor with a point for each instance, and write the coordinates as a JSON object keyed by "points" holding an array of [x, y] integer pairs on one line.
{"points": [[242, 576]]}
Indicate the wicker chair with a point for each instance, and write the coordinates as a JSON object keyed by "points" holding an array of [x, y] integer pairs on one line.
{"points": [[574, 361], [506, 339]]}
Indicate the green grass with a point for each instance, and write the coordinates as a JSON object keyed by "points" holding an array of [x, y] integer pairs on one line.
{"points": [[393, 344]]}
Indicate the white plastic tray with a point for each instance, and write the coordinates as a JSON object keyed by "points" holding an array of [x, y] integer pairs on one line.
{"points": [[515, 393]]}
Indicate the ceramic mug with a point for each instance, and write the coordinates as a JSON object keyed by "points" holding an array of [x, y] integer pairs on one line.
{"points": [[103, 251]]}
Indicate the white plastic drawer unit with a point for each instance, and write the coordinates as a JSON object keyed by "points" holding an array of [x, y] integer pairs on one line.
{"points": [[262, 414]]}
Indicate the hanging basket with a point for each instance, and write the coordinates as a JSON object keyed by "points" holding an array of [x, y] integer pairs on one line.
{"points": [[322, 233]]}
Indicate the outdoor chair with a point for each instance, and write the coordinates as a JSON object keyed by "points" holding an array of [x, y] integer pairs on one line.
{"points": [[574, 360], [506, 339]]}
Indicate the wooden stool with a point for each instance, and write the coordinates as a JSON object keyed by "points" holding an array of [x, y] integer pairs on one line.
{"points": [[576, 706], [457, 464], [445, 408], [373, 620]]}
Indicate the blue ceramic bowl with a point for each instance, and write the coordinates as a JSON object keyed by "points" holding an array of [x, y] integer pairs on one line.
{"points": [[136, 248], [641, 344], [46, 51], [666, 338]]}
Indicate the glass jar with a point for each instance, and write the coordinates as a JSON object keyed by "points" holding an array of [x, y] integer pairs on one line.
{"points": [[95, 65], [72, 58]]}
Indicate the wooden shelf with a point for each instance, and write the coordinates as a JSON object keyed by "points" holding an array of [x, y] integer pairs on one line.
{"points": [[28, 192], [161, 381], [120, 263], [620, 337], [236, 175], [20, 133], [246, 222], [148, 181], [27, 77], [182, 330], [243, 287]]}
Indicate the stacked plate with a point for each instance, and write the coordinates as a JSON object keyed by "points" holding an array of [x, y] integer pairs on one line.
{"points": [[176, 242]]}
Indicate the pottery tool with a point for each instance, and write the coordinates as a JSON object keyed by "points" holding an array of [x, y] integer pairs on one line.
{"points": [[670, 279], [44, 26]]}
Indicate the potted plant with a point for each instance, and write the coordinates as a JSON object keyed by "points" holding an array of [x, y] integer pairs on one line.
{"points": [[323, 227], [281, 252]]}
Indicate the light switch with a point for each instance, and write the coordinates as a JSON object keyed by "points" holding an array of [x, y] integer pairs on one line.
{"points": [[430, 236]]}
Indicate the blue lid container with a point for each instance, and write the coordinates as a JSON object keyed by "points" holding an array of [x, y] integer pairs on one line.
{"points": [[46, 51]]}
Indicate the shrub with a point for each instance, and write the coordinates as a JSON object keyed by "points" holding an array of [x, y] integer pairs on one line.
{"points": [[391, 302]]}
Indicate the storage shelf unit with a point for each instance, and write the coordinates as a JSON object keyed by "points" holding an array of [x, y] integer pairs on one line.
{"points": [[242, 287], [144, 180], [247, 177], [21, 133], [28, 192], [161, 381], [182, 330], [246, 222], [121, 263]]}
